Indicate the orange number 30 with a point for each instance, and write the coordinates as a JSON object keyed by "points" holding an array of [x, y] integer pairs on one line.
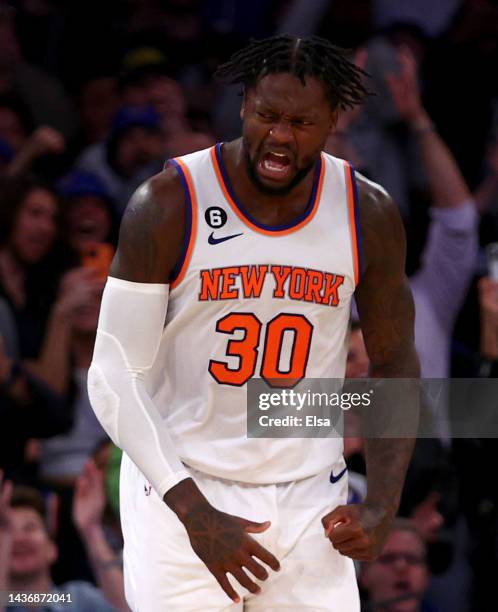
{"points": [[246, 349]]}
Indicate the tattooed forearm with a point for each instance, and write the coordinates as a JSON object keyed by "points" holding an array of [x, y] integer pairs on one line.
{"points": [[387, 462], [386, 309]]}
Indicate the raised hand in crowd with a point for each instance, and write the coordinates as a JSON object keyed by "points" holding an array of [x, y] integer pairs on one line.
{"points": [[78, 287], [78, 291], [89, 499], [88, 510], [446, 182], [45, 140], [405, 90]]}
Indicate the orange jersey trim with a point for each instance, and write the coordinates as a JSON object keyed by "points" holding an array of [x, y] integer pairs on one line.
{"points": [[243, 217], [352, 220], [192, 203]]}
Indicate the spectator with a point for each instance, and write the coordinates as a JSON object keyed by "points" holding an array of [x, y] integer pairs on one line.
{"points": [[28, 279], [41, 94], [27, 552], [146, 80], [398, 579], [134, 151], [28, 230], [450, 254], [28, 408], [449, 259], [98, 103], [358, 363], [29, 149], [65, 455], [88, 511], [88, 215]]}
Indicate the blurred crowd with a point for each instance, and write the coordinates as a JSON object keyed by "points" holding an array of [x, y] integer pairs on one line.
{"points": [[94, 98]]}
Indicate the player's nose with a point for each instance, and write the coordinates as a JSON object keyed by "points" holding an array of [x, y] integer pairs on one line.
{"points": [[281, 133]]}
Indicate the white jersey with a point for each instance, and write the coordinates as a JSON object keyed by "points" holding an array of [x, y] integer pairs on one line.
{"points": [[247, 301]]}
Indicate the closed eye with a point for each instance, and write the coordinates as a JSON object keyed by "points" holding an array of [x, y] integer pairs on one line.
{"points": [[265, 116], [302, 122]]}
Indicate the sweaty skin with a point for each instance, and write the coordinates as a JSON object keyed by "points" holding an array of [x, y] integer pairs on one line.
{"points": [[280, 114]]}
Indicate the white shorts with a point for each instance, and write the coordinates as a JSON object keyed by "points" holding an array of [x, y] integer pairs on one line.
{"points": [[163, 574]]}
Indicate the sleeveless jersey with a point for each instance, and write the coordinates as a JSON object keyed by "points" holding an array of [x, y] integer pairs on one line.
{"points": [[248, 300]]}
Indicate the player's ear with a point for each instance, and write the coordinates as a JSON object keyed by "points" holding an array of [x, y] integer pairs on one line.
{"points": [[243, 106], [334, 116]]}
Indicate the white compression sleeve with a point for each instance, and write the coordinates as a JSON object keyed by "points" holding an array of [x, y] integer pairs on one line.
{"points": [[130, 327]]}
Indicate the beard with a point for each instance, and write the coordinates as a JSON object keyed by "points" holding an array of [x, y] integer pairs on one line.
{"points": [[266, 189]]}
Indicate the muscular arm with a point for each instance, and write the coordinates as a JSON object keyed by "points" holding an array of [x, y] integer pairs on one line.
{"points": [[150, 242], [386, 312], [130, 327]]}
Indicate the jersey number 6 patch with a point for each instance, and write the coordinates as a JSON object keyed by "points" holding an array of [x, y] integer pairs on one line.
{"points": [[246, 349]]}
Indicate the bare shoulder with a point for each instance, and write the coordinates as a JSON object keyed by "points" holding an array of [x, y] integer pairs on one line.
{"points": [[152, 230], [381, 226]]}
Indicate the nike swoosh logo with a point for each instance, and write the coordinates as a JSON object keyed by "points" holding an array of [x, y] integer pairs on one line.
{"points": [[334, 479], [213, 240]]}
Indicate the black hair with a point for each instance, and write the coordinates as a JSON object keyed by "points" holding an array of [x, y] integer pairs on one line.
{"points": [[28, 497], [13, 191], [309, 56]]}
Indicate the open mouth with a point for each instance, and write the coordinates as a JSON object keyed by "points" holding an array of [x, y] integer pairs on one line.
{"points": [[86, 226], [275, 166], [22, 552]]}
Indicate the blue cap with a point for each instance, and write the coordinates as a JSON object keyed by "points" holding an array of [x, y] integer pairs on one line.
{"points": [[135, 116], [79, 183]]}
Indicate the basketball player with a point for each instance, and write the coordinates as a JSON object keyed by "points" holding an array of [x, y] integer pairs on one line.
{"points": [[223, 257]]}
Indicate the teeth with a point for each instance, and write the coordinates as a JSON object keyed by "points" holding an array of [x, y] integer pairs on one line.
{"points": [[278, 154], [269, 165]]}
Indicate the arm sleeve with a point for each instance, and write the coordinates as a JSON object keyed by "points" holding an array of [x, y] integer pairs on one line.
{"points": [[130, 327], [449, 260]]}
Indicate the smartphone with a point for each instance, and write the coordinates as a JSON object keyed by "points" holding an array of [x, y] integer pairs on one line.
{"points": [[98, 257]]}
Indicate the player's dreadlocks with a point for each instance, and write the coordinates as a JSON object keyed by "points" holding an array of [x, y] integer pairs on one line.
{"points": [[310, 56]]}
